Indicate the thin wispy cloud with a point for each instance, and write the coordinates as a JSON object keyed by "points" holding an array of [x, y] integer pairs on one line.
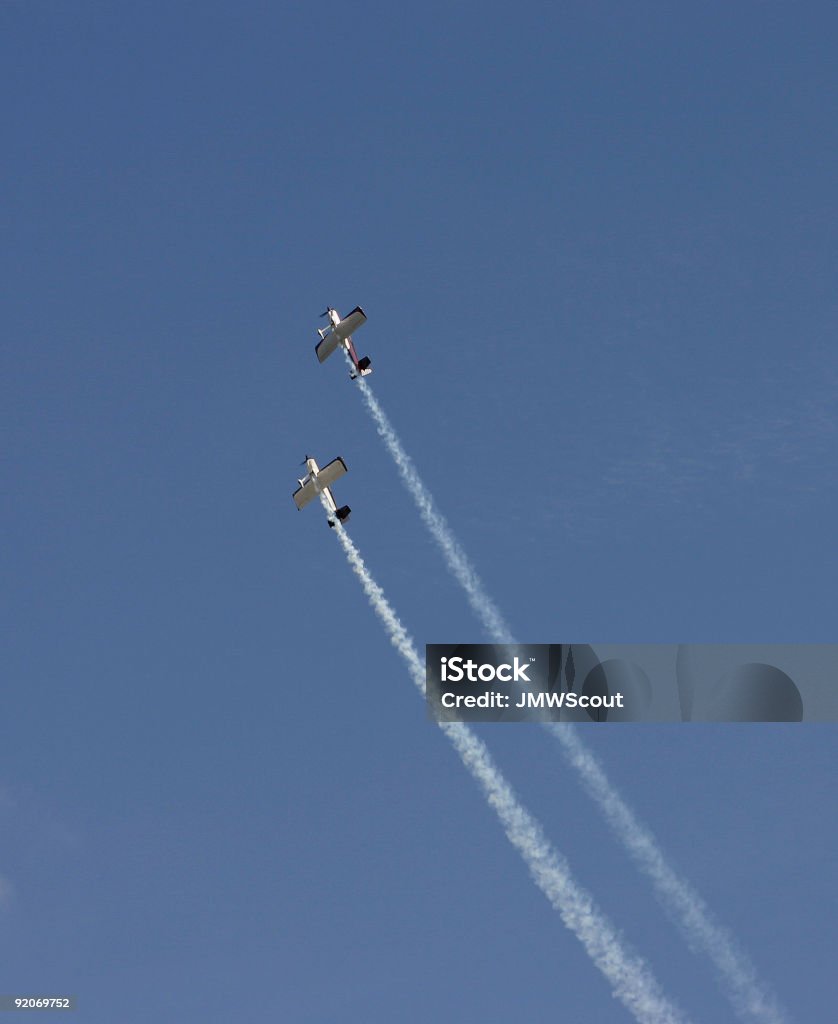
{"points": [[774, 436]]}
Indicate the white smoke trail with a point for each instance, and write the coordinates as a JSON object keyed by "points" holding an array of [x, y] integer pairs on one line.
{"points": [[457, 560], [629, 976], [748, 994]]}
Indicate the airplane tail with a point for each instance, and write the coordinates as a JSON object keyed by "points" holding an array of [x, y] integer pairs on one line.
{"points": [[362, 368], [342, 514]]}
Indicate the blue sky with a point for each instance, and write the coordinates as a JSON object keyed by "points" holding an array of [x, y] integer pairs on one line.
{"points": [[596, 246]]}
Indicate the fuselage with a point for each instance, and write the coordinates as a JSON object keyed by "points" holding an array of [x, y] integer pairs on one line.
{"points": [[313, 470]]}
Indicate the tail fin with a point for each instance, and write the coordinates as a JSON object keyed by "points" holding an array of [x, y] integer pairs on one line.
{"points": [[342, 514], [361, 369]]}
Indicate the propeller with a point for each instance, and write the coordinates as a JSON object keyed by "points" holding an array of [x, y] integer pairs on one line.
{"points": [[305, 460], [328, 311]]}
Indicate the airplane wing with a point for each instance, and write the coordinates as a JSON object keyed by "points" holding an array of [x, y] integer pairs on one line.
{"points": [[327, 346], [303, 495], [328, 474], [357, 318]]}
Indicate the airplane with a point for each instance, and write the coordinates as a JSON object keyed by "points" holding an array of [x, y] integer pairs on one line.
{"points": [[339, 333], [318, 481]]}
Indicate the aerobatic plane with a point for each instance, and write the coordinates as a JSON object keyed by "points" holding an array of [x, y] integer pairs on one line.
{"points": [[339, 332], [318, 481]]}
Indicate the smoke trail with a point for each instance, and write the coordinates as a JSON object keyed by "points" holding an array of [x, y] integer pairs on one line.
{"points": [[456, 558], [748, 994], [630, 978]]}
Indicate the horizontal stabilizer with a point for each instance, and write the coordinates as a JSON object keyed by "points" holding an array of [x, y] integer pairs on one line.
{"points": [[342, 514]]}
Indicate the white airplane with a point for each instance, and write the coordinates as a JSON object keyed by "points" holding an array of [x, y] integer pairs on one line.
{"points": [[339, 332], [318, 481]]}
